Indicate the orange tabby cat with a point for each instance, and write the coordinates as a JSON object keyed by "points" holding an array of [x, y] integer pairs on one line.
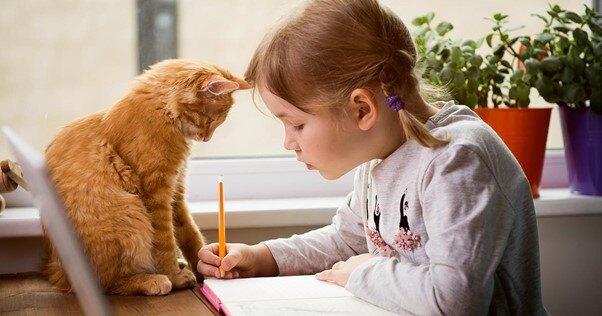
{"points": [[121, 174]]}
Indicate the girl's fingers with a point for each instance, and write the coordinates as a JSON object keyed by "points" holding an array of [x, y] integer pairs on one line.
{"points": [[208, 255], [212, 248], [331, 275], [231, 275], [337, 265], [211, 271], [324, 275], [231, 260], [207, 270]]}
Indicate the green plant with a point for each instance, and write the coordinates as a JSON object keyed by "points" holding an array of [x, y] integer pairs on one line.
{"points": [[473, 79], [564, 61], [514, 90], [446, 62]]}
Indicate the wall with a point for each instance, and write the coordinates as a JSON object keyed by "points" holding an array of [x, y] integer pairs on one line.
{"points": [[63, 59]]}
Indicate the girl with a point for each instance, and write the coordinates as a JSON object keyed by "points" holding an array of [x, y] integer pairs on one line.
{"points": [[441, 218]]}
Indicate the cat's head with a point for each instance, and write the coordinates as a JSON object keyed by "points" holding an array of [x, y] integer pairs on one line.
{"points": [[197, 96]]}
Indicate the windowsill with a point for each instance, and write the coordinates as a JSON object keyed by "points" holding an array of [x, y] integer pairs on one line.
{"points": [[265, 213]]}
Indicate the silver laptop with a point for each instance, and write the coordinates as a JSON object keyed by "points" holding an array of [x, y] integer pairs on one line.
{"points": [[58, 227]]}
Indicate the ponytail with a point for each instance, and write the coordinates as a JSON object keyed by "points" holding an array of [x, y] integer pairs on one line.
{"points": [[390, 84], [414, 129]]}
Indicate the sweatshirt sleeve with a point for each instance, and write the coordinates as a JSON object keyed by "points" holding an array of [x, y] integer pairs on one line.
{"points": [[319, 249], [468, 219]]}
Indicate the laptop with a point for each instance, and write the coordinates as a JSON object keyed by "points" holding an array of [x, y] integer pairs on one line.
{"points": [[58, 227]]}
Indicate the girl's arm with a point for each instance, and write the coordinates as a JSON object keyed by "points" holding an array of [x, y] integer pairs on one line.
{"points": [[319, 249]]}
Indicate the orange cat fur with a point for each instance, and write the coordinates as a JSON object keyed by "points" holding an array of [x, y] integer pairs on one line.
{"points": [[121, 173]]}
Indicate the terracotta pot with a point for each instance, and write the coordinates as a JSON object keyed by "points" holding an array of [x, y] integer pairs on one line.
{"points": [[525, 132]]}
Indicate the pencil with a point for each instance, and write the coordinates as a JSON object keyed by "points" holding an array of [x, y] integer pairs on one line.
{"points": [[222, 223]]}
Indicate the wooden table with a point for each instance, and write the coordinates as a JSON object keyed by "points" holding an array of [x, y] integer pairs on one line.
{"points": [[31, 294]]}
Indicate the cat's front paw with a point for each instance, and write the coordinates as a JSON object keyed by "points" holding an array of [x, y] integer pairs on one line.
{"points": [[185, 279], [182, 263], [156, 285]]}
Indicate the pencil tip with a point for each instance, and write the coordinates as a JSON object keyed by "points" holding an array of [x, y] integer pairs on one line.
{"points": [[220, 178]]}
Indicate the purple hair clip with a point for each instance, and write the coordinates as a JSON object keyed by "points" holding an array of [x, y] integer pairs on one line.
{"points": [[395, 103]]}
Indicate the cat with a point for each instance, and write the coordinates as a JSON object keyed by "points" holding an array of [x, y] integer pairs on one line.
{"points": [[121, 175]]}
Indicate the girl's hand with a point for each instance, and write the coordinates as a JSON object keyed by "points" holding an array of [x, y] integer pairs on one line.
{"points": [[340, 272], [241, 261]]}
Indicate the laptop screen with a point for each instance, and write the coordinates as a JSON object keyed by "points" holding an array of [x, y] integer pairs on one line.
{"points": [[58, 227]]}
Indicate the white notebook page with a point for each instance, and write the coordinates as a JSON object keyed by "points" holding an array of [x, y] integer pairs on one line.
{"points": [[290, 295], [275, 288]]}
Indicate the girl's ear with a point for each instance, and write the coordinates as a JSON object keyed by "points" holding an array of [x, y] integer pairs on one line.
{"points": [[365, 108], [218, 85]]}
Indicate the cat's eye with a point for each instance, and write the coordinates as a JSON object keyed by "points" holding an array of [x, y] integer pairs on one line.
{"points": [[298, 127]]}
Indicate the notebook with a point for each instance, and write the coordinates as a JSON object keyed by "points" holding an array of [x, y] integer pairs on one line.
{"points": [[58, 227], [288, 295]]}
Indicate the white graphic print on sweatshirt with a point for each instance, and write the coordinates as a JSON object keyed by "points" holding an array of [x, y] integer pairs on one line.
{"points": [[403, 239]]}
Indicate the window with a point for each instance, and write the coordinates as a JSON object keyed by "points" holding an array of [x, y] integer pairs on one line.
{"points": [[64, 59]]}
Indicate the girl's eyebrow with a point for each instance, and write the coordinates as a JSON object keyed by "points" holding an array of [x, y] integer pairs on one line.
{"points": [[282, 115]]}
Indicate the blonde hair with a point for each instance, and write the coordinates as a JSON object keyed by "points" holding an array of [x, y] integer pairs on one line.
{"points": [[332, 47]]}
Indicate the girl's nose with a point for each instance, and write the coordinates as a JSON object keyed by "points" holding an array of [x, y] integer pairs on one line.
{"points": [[290, 143]]}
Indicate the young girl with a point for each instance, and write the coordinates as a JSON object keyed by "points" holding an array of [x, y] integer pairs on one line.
{"points": [[441, 218]]}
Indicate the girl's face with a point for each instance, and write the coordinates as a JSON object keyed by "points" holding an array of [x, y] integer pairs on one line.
{"points": [[323, 144]]}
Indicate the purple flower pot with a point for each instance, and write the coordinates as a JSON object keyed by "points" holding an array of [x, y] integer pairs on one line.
{"points": [[582, 134]]}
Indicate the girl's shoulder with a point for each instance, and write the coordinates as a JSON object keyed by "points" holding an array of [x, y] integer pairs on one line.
{"points": [[464, 128], [472, 143]]}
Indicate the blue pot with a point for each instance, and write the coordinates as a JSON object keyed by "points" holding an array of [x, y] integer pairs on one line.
{"points": [[582, 134]]}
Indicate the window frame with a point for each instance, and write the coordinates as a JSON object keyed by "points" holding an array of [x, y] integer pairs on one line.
{"points": [[284, 177]]}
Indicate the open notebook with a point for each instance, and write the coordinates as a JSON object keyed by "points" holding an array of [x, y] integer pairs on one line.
{"points": [[289, 295]]}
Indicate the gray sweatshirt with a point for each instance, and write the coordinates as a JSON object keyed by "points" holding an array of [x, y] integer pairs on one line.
{"points": [[453, 227]]}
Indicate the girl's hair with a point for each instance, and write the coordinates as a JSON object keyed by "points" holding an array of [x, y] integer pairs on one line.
{"points": [[332, 47]]}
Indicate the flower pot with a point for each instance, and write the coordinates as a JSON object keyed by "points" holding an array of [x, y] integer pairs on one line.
{"points": [[582, 134], [525, 132]]}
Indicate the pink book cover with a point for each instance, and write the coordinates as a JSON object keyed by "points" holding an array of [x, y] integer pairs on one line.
{"points": [[214, 300]]}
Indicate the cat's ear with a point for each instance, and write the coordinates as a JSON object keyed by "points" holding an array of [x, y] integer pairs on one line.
{"points": [[242, 85], [218, 85]]}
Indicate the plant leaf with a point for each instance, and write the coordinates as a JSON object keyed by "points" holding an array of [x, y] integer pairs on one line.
{"points": [[532, 65], [517, 74], [418, 21], [595, 27], [566, 75], [562, 28], [551, 64], [573, 93], [443, 28], [581, 37], [525, 41], [446, 75], [541, 17], [544, 38], [598, 50], [430, 16], [595, 101], [572, 16]]}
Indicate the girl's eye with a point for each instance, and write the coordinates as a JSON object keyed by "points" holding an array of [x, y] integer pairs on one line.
{"points": [[298, 127]]}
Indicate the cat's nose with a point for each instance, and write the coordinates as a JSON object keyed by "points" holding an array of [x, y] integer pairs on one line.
{"points": [[207, 138]]}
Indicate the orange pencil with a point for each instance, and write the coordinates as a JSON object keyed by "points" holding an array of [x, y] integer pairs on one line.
{"points": [[222, 223]]}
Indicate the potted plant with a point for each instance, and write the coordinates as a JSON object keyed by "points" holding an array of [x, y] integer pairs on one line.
{"points": [[564, 63], [488, 84]]}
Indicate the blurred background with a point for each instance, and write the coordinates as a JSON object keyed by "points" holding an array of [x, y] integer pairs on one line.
{"points": [[63, 59]]}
